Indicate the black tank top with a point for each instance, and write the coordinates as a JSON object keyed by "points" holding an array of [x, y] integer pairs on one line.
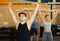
{"points": [[23, 34]]}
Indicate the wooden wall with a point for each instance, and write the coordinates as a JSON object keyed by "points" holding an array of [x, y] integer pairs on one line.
{"points": [[6, 17]]}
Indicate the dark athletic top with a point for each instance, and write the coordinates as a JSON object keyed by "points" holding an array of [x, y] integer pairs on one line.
{"points": [[23, 34]]}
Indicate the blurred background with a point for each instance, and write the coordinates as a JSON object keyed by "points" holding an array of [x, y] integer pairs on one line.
{"points": [[7, 26]]}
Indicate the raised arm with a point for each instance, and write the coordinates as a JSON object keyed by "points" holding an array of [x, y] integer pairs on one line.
{"points": [[29, 23], [12, 14], [40, 16], [55, 15]]}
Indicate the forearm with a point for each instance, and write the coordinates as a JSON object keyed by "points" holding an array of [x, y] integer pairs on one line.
{"points": [[29, 23], [35, 12], [40, 16], [12, 14]]}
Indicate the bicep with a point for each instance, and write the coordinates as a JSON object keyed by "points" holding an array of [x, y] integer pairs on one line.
{"points": [[16, 21]]}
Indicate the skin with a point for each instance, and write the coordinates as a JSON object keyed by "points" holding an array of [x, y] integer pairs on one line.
{"points": [[32, 36], [23, 17], [47, 20]]}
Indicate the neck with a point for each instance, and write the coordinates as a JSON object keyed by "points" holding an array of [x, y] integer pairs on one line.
{"points": [[23, 22]]}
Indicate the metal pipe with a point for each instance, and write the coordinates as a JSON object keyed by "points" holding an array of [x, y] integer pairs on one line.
{"points": [[53, 3], [27, 2], [31, 2], [46, 10]]}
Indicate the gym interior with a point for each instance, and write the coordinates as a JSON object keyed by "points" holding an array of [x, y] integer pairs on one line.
{"points": [[8, 27]]}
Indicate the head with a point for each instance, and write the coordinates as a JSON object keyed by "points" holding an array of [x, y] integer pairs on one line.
{"points": [[22, 16], [47, 17]]}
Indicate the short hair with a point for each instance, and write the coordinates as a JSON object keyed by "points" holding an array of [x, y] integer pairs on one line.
{"points": [[21, 13], [46, 16]]}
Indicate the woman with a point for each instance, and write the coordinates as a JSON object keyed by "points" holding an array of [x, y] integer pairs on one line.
{"points": [[47, 34], [23, 27]]}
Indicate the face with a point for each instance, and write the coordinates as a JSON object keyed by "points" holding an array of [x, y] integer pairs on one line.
{"points": [[47, 17], [22, 17]]}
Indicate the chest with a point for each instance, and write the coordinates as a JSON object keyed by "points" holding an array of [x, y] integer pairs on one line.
{"points": [[23, 27]]}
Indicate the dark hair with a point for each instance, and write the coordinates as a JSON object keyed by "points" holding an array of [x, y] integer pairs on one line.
{"points": [[46, 16], [21, 13]]}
